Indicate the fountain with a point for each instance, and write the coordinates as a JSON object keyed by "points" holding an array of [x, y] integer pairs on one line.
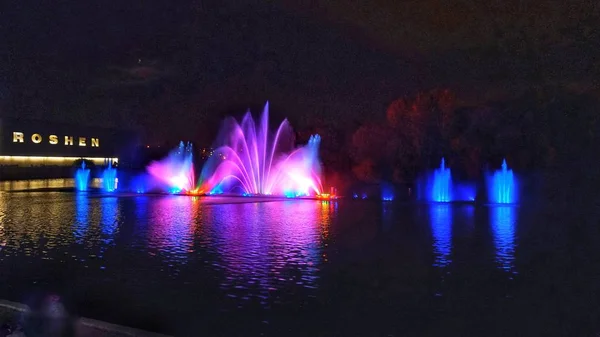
{"points": [[442, 184], [176, 172], [502, 186], [250, 162], [387, 192], [82, 177], [437, 185], [109, 178]]}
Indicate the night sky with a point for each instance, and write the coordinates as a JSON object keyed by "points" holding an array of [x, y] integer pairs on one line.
{"points": [[174, 69]]}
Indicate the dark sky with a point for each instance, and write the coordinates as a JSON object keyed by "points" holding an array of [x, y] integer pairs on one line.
{"points": [[176, 68]]}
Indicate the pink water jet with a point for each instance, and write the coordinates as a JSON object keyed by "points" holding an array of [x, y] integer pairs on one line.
{"points": [[175, 172], [252, 162]]}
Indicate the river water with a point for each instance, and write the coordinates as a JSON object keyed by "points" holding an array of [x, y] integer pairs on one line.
{"points": [[235, 267]]}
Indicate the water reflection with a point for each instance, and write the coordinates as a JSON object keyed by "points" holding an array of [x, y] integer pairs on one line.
{"points": [[387, 216], [171, 227], [82, 210], [270, 246], [109, 222], [18, 185], [441, 229], [503, 221]]}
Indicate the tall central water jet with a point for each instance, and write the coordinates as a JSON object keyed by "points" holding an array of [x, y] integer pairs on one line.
{"points": [[250, 161]]}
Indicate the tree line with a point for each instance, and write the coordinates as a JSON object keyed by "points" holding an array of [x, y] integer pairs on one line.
{"points": [[542, 129]]}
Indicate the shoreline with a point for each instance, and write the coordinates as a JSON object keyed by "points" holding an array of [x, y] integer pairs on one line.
{"points": [[90, 327]]}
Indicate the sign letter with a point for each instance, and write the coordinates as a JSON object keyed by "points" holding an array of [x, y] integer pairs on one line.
{"points": [[18, 137], [53, 139], [95, 142], [68, 140], [81, 141], [36, 138]]}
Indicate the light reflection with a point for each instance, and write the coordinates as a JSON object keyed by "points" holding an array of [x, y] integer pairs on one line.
{"points": [[82, 210], [3, 209], [171, 227], [283, 252], [109, 222], [441, 229], [386, 216], [503, 220]]}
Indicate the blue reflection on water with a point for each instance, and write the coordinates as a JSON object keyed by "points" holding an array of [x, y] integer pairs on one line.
{"points": [[441, 229], [503, 220], [82, 210], [110, 218], [386, 216]]}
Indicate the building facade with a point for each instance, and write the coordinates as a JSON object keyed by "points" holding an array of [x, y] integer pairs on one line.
{"points": [[38, 146]]}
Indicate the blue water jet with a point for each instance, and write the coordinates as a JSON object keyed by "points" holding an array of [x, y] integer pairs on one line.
{"points": [[502, 186], [442, 184], [82, 177], [387, 192], [109, 178]]}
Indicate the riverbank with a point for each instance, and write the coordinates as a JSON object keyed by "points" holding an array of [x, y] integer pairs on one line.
{"points": [[11, 311]]}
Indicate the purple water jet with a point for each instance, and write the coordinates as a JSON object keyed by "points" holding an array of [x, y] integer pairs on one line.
{"points": [[251, 162]]}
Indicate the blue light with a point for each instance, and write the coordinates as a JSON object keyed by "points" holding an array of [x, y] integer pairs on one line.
{"points": [[217, 190], [109, 178], [364, 196], [82, 177], [441, 228], [355, 196], [464, 192], [502, 186], [442, 184], [387, 192], [503, 222]]}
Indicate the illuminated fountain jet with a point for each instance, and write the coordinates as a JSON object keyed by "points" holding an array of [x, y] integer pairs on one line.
{"points": [[109, 178], [437, 186], [442, 184], [250, 161], [82, 177], [176, 171], [502, 186]]}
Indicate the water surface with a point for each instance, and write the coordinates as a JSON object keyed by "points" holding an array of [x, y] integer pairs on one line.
{"points": [[193, 266]]}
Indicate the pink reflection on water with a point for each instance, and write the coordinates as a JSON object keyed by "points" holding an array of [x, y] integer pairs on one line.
{"points": [[261, 257], [170, 223]]}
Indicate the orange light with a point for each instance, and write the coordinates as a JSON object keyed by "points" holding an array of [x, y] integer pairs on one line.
{"points": [[195, 192]]}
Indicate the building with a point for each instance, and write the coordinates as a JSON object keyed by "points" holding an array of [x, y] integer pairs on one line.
{"points": [[38, 149]]}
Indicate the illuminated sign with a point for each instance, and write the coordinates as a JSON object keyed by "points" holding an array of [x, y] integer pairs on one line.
{"points": [[36, 138]]}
